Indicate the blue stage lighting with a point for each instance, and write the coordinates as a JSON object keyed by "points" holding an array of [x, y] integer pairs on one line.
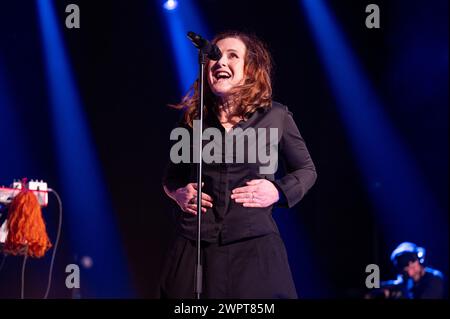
{"points": [[88, 211], [179, 22], [399, 194], [170, 4], [14, 159]]}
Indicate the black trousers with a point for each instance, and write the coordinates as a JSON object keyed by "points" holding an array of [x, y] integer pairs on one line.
{"points": [[255, 268]]}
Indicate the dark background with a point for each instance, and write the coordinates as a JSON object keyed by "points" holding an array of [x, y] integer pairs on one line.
{"points": [[126, 76]]}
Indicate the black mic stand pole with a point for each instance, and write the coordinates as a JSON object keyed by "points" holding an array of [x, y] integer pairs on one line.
{"points": [[202, 58]]}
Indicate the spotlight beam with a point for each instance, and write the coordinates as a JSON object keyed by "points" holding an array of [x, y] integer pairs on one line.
{"points": [[185, 18], [392, 178], [88, 210]]}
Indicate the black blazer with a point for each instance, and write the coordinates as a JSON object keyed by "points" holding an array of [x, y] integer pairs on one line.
{"points": [[227, 220]]}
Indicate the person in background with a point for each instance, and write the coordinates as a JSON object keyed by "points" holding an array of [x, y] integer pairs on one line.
{"points": [[415, 280]]}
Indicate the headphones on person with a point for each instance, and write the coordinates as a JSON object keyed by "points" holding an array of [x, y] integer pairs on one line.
{"points": [[407, 252]]}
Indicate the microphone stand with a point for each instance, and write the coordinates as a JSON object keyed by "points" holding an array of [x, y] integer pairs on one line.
{"points": [[202, 58], [206, 50]]}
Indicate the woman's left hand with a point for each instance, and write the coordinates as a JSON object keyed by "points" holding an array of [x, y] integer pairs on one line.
{"points": [[258, 193]]}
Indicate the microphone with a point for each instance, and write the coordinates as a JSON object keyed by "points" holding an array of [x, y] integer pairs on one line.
{"points": [[211, 50]]}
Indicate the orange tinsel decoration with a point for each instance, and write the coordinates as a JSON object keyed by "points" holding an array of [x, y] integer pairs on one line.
{"points": [[27, 234]]}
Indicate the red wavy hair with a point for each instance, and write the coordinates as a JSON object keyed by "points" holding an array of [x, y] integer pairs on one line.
{"points": [[255, 92], [27, 233]]}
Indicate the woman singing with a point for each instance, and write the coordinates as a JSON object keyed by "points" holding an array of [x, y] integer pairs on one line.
{"points": [[243, 255]]}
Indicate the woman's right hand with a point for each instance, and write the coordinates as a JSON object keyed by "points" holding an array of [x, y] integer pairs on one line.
{"points": [[186, 198]]}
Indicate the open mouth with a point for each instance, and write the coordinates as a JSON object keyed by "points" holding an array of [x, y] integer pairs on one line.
{"points": [[221, 75]]}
